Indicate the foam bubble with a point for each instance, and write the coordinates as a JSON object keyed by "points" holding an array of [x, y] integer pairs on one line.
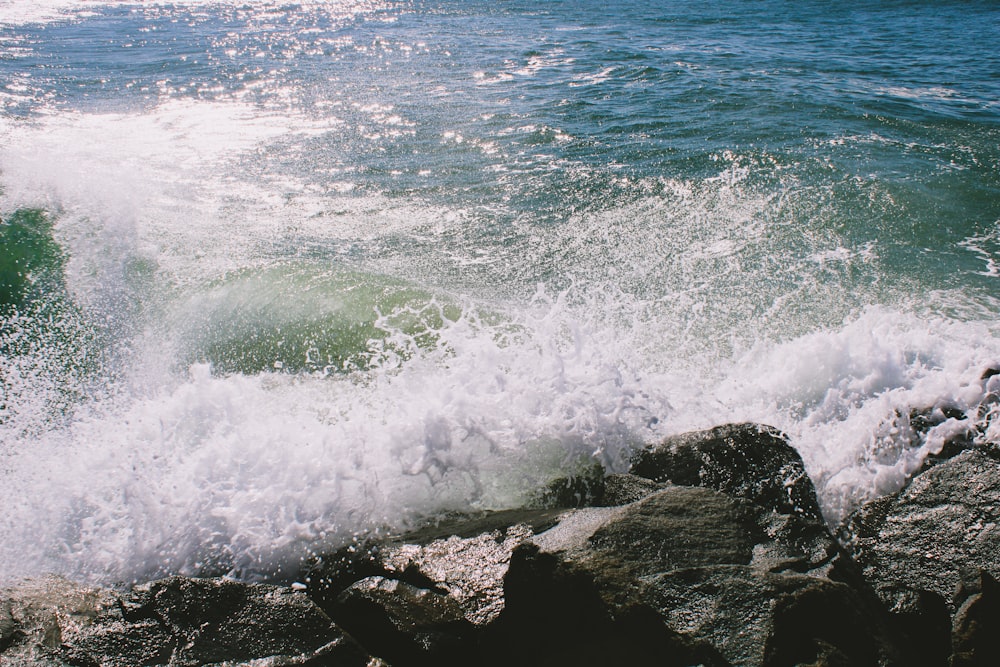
{"points": [[250, 474], [845, 395]]}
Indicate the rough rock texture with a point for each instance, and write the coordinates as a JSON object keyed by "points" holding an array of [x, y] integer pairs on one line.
{"points": [[555, 614], [37, 615], [467, 565], [410, 625], [711, 551], [932, 552], [178, 622], [699, 560], [756, 464], [748, 461], [423, 598], [715, 569], [976, 633], [622, 489], [945, 520]]}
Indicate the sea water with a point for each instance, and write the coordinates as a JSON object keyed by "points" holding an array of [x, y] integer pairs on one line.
{"points": [[278, 275]]}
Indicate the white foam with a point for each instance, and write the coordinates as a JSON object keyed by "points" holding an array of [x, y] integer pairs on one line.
{"points": [[686, 304], [844, 396], [251, 474]]}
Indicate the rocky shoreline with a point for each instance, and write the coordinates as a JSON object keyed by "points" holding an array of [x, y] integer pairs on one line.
{"points": [[711, 551]]}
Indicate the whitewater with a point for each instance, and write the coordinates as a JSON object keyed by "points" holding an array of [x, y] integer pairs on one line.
{"points": [[280, 275]]}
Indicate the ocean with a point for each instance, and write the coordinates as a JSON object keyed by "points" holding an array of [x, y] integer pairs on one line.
{"points": [[275, 276]]}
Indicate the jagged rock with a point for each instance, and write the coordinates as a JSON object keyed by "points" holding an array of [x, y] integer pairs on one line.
{"points": [[622, 489], [749, 461], [725, 570], [975, 639], [700, 560], [464, 557], [582, 489], [687, 575], [913, 547], [556, 615], [922, 618], [716, 555], [754, 463], [595, 488], [178, 622], [945, 520], [408, 625], [947, 428], [38, 614], [425, 598]]}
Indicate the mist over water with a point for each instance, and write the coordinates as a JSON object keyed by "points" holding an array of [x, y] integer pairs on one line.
{"points": [[276, 275]]}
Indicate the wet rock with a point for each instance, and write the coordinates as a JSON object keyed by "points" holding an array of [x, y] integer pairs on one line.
{"points": [[946, 427], [583, 489], [976, 630], [660, 573], [37, 615], [556, 615], [622, 489], [465, 558], [922, 619], [749, 461], [427, 597], [915, 545], [755, 464], [700, 562], [922, 537], [821, 622], [408, 625], [178, 622]]}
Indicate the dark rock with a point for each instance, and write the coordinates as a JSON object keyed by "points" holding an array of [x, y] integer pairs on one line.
{"points": [[922, 537], [922, 618], [747, 461], [465, 558], [461, 600], [920, 422], [914, 546], [703, 564], [755, 464], [556, 615], [676, 528], [704, 574], [713, 552], [583, 489], [10, 630], [37, 615], [473, 525], [957, 432], [180, 622], [976, 629], [866, 522], [822, 622], [408, 625], [622, 489]]}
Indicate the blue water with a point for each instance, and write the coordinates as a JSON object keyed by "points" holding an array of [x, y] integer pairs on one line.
{"points": [[275, 275]]}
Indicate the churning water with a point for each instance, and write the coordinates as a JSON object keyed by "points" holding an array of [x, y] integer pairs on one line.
{"points": [[277, 274]]}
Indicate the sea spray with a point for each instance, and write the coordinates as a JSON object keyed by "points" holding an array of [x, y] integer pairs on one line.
{"points": [[341, 267]]}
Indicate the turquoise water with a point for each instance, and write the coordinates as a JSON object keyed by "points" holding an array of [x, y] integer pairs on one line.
{"points": [[274, 275]]}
